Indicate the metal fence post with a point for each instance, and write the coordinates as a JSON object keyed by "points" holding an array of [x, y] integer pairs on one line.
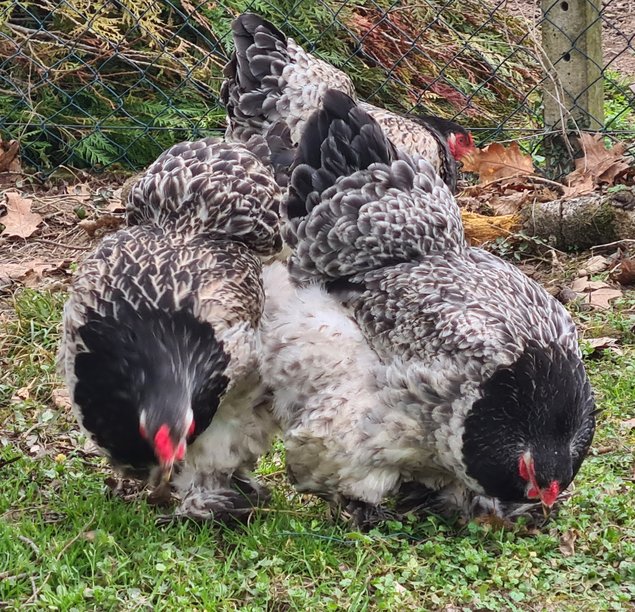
{"points": [[573, 92]]}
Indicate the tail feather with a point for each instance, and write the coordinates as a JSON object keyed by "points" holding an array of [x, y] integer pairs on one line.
{"points": [[357, 204], [272, 87], [253, 76], [338, 140]]}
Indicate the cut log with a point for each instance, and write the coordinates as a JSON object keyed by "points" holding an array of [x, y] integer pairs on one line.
{"points": [[568, 225]]}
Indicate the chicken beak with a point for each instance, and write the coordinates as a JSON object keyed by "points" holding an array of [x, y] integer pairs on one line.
{"points": [[166, 473]]}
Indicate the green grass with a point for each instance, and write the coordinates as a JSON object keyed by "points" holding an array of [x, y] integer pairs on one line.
{"points": [[66, 545]]}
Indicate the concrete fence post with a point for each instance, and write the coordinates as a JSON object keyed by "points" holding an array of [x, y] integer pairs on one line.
{"points": [[573, 93]]}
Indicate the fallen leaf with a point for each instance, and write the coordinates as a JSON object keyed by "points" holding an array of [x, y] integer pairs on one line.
{"points": [[603, 163], [598, 165], [602, 343], [29, 273], [116, 206], [24, 393], [583, 284], [596, 264], [601, 298], [511, 203], [567, 542], [625, 272], [19, 220], [9, 158], [104, 222], [61, 399], [629, 424], [496, 162], [578, 184], [82, 192]]}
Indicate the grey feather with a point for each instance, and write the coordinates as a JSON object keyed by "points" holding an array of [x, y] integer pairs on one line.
{"points": [[271, 80], [201, 216], [210, 186], [402, 355]]}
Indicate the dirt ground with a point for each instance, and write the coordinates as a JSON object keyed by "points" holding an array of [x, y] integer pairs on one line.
{"points": [[75, 213], [618, 31]]}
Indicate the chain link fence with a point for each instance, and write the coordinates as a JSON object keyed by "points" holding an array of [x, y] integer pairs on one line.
{"points": [[110, 84]]}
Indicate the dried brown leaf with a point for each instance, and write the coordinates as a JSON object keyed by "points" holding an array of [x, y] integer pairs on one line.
{"points": [[625, 273], [629, 423], [511, 203], [602, 343], [578, 184], [567, 542], [23, 393], [19, 220], [601, 298], [596, 264], [61, 399], [116, 206], [583, 284], [496, 162], [599, 165], [29, 273], [9, 156], [81, 191]]}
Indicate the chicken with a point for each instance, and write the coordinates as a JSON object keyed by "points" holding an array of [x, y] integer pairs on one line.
{"points": [[159, 331], [273, 86], [403, 361]]}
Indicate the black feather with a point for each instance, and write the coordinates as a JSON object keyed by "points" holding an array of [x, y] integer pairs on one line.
{"points": [[339, 139], [444, 127], [542, 403], [144, 358]]}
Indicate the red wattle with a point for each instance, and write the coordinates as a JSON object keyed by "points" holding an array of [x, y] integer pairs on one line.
{"points": [[163, 446], [533, 492], [522, 469], [180, 451], [548, 496]]}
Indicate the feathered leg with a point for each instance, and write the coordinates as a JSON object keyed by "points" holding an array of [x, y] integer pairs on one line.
{"points": [[215, 481]]}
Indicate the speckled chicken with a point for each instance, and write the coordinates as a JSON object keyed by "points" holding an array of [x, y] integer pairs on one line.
{"points": [[273, 86], [159, 331], [403, 361]]}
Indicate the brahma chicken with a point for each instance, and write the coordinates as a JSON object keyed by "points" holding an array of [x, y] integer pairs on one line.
{"points": [[404, 362], [273, 86], [159, 332]]}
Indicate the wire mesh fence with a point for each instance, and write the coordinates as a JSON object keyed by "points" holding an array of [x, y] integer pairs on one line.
{"points": [[110, 84]]}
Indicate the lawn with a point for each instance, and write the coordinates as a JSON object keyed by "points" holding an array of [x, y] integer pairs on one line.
{"points": [[66, 543]]}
